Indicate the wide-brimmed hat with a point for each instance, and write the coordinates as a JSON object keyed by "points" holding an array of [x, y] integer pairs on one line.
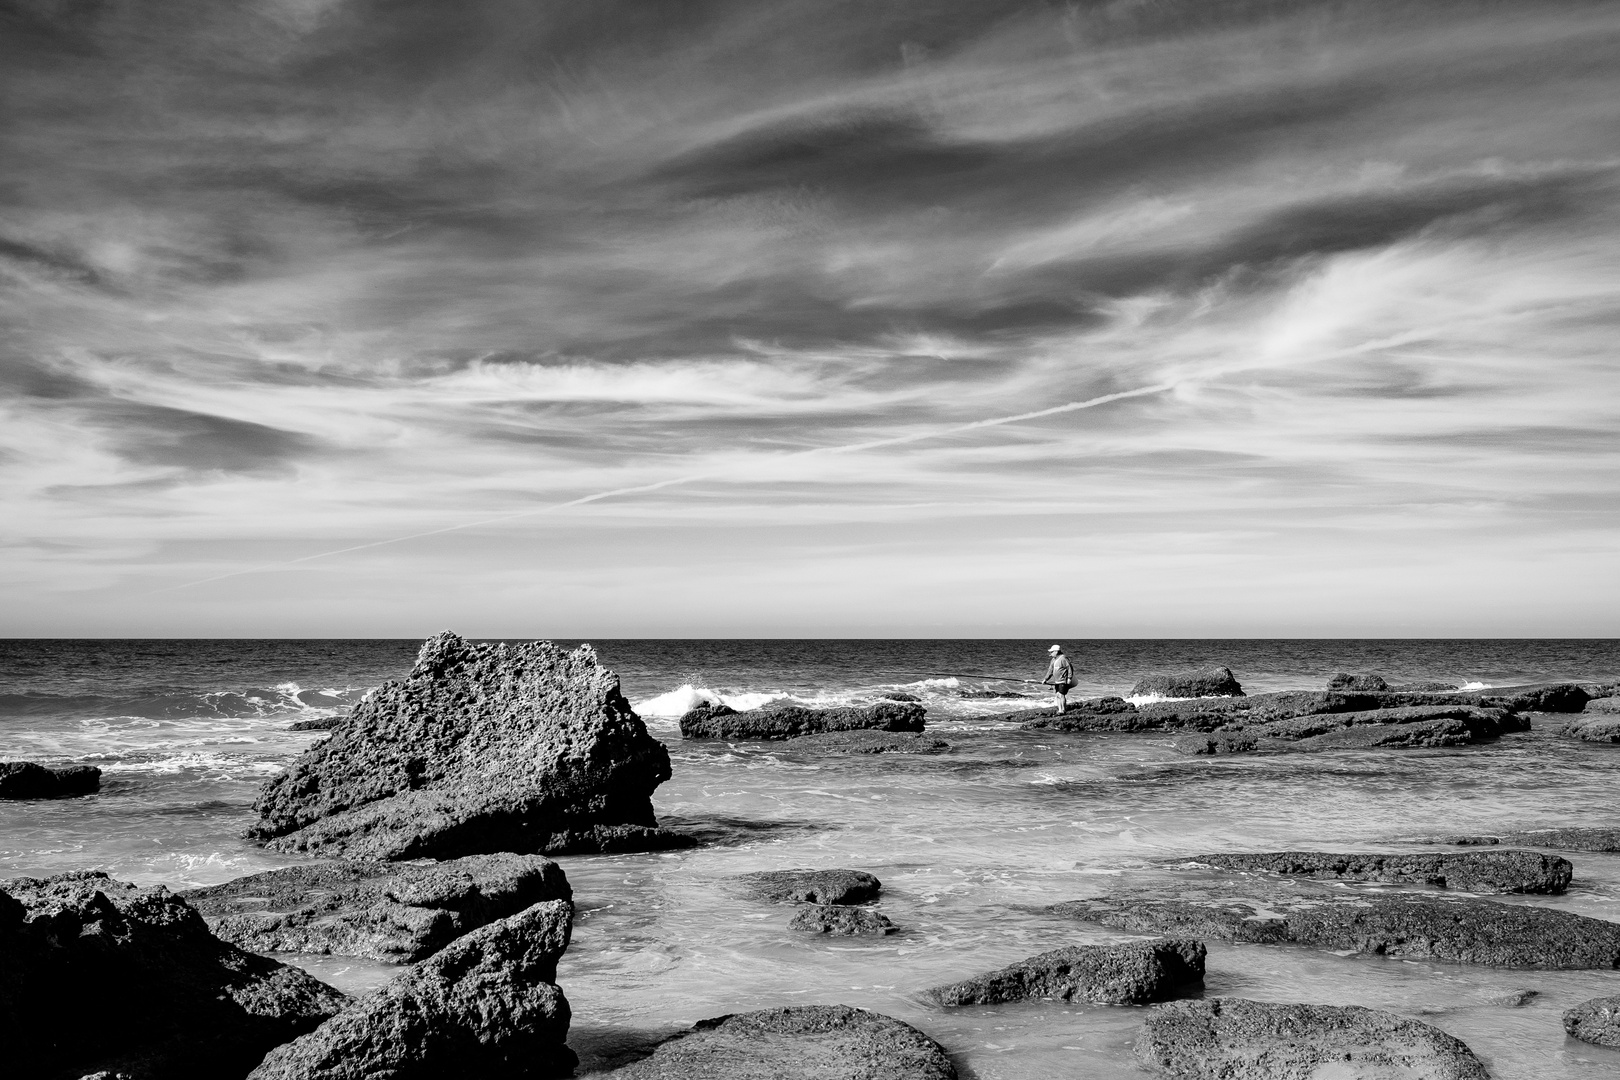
{"points": [[1055, 648]]}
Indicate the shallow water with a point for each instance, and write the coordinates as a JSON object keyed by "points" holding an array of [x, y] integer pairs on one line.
{"points": [[971, 845]]}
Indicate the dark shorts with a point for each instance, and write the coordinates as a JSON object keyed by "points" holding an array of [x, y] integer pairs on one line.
{"points": [[1063, 687]]}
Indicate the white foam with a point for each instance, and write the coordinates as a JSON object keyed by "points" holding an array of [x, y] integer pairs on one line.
{"points": [[683, 699], [1474, 686]]}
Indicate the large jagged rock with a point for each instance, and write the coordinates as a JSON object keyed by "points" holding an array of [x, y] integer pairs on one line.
{"points": [[1475, 871], [28, 780], [812, 886], [792, 721], [1596, 1021], [1237, 1039], [486, 1005], [100, 975], [1134, 973], [481, 748], [396, 912], [1210, 682], [1568, 839], [1416, 926], [1408, 726], [868, 742], [824, 1042]]}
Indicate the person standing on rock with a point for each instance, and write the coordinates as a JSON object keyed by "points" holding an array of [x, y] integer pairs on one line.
{"points": [[1060, 677]]}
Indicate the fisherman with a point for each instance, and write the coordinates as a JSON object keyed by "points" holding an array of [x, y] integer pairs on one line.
{"points": [[1060, 676]]}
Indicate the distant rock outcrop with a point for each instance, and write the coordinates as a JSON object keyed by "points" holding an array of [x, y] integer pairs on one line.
{"points": [[486, 1005], [99, 975], [790, 721], [1210, 682], [397, 912], [1228, 1038], [1481, 871], [1416, 926], [1346, 681], [481, 748], [1134, 973], [1596, 1021], [1579, 838], [812, 886], [839, 1040], [27, 780], [1409, 726]]}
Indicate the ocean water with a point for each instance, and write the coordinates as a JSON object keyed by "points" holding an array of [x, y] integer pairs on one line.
{"points": [[971, 845]]}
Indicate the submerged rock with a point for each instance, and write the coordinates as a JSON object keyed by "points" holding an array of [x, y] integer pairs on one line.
{"points": [[98, 974], [869, 742], [1596, 1021], [486, 1005], [899, 695], [828, 1042], [1210, 682], [1594, 727], [1408, 726], [1134, 973], [1416, 926], [841, 920], [481, 748], [397, 912], [1346, 681], [1229, 1038], [28, 780], [1571, 839], [1485, 871], [790, 721], [813, 886]]}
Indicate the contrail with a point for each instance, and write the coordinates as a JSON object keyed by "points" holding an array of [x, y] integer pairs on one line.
{"points": [[849, 448]]}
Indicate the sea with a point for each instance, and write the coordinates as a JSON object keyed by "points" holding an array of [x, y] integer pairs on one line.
{"points": [[972, 845]]}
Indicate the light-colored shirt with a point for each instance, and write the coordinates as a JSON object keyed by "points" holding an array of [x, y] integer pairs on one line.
{"points": [[1060, 670]]}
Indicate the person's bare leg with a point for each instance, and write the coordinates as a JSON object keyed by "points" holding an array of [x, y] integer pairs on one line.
{"points": [[1062, 702]]}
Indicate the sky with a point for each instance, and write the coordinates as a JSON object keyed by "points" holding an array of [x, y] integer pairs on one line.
{"points": [[332, 318]]}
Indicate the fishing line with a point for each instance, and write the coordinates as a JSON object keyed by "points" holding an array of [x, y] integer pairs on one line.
{"points": [[848, 448]]}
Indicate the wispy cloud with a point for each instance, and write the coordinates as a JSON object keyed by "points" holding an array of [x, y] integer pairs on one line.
{"points": [[305, 275]]}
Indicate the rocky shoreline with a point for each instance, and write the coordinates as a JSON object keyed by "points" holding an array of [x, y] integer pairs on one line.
{"points": [[431, 809]]}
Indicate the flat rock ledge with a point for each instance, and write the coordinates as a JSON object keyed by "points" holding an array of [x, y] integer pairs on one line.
{"points": [[98, 975], [1508, 871], [1596, 1021], [29, 780], [1210, 682], [395, 912], [1409, 926], [841, 920], [486, 1005], [481, 748], [827, 1042], [1135, 973], [1407, 726], [869, 742], [792, 721], [1572, 839], [812, 886], [1225, 1038]]}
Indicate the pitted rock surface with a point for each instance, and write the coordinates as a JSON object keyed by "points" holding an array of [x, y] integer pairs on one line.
{"points": [[1232, 1038], [481, 748], [486, 1005], [397, 912], [805, 1042], [1347, 681], [1508, 871], [1596, 1021], [841, 920], [1405, 726], [1134, 973], [1593, 727], [100, 975], [792, 721], [1210, 682], [1416, 926], [813, 886]]}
